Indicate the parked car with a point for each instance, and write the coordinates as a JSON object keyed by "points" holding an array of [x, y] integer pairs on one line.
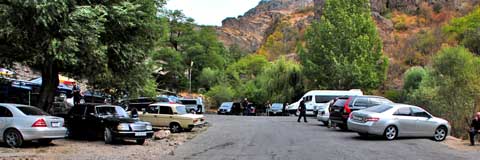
{"points": [[193, 105], [174, 116], [398, 120], [324, 113], [343, 106], [107, 121], [232, 108], [142, 103], [316, 100], [276, 109], [94, 97], [20, 123]]}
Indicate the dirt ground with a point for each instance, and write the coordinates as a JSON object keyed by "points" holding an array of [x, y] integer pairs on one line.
{"points": [[461, 145], [98, 150]]}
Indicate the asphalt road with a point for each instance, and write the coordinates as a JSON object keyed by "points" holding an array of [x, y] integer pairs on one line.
{"points": [[277, 138]]}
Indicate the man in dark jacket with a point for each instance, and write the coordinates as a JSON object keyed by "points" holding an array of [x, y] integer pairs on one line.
{"points": [[303, 111], [474, 128], [76, 94]]}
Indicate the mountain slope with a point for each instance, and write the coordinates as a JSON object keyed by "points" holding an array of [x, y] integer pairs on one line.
{"points": [[276, 27]]}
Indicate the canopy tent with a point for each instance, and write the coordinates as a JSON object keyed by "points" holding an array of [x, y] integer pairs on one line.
{"points": [[6, 72], [61, 87], [66, 80]]}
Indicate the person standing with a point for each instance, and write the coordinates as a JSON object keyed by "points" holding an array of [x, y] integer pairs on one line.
{"points": [[76, 94], [245, 106], [474, 128], [284, 109], [303, 111], [200, 104], [268, 107]]}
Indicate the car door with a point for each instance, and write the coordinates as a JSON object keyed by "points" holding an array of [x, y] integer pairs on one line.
{"points": [[165, 116], [6, 119], [75, 118], [424, 124], [151, 115], [406, 122]]}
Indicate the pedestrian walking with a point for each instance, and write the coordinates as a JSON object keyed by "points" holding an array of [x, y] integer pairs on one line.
{"points": [[303, 111], [474, 128], [268, 107]]}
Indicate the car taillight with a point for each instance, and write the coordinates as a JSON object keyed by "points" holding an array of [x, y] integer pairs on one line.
{"points": [[39, 123], [346, 108], [372, 119], [195, 120], [350, 115]]}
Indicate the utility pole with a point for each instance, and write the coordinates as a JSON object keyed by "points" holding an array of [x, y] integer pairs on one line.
{"points": [[190, 77]]}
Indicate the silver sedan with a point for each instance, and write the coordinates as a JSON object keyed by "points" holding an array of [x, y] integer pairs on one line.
{"points": [[398, 120], [20, 123]]}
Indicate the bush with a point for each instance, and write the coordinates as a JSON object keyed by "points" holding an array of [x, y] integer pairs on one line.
{"points": [[221, 93], [401, 26], [394, 95], [413, 77], [437, 7]]}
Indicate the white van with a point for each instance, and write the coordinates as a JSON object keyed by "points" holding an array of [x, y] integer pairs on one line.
{"points": [[316, 101]]}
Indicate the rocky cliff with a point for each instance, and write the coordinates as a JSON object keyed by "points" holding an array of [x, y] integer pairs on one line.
{"points": [[252, 29]]}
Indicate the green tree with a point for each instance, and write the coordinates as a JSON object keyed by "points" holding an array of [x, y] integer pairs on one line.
{"points": [[452, 87], [344, 50], [96, 40], [466, 30], [282, 81], [413, 77]]}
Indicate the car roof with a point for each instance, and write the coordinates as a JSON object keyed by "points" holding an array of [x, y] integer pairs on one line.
{"points": [[166, 104], [334, 92]]}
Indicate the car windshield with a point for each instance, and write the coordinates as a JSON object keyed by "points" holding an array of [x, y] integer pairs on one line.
{"points": [[111, 111], [324, 99], [277, 106], [226, 105], [32, 111], [181, 110], [378, 109]]}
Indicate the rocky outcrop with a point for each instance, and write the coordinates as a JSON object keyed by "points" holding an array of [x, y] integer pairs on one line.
{"points": [[250, 30]]}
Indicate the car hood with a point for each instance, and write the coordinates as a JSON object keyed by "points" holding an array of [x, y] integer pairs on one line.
{"points": [[119, 120]]}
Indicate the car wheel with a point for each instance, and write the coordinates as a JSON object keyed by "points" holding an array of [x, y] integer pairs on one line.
{"points": [[175, 128], [13, 138], [140, 141], [45, 141], [390, 133], [297, 113], [107, 136], [440, 134], [342, 127], [325, 123]]}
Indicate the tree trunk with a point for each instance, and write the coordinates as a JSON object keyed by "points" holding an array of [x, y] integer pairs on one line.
{"points": [[49, 86]]}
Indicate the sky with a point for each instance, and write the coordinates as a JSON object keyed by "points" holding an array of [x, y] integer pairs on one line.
{"points": [[211, 12]]}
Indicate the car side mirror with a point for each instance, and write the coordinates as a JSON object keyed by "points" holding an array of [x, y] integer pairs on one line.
{"points": [[175, 113]]}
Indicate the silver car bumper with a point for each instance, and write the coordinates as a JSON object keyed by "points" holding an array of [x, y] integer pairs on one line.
{"points": [[323, 116], [368, 127], [43, 133]]}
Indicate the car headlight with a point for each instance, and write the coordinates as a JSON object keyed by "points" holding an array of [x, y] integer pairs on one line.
{"points": [[149, 127], [123, 127]]}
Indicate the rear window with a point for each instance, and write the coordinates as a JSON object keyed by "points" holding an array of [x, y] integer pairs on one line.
{"points": [[340, 102], [324, 99], [32, 111], [378, 109], [277, 106]]}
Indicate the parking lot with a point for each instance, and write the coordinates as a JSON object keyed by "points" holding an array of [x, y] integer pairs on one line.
{"points": [[96, 149], [236, 137]]}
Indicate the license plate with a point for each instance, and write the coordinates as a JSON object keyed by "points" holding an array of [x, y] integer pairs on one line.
{"points": [[274, 112], [55, 124], [336, 110], [138, 134], [358, 118]]}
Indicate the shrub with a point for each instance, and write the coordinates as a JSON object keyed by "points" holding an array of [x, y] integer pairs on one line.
{"points": [[437, 7]]}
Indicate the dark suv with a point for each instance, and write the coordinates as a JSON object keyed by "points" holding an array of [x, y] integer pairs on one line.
{"points": [[141, 102], [107, 121], [343, 106]]}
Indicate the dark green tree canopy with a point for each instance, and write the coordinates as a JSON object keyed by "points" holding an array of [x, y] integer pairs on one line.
{"points": [[99, 40], [344, 50]]}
